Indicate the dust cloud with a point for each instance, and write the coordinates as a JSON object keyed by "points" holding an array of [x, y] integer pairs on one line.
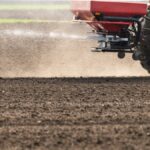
{"points": [[57, 50]]}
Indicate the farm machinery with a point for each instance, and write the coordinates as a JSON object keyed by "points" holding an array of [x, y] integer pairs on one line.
{"points": [[122, 26]]}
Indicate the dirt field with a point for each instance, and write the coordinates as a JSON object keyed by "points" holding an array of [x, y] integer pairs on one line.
{"points": [[83, 113]]}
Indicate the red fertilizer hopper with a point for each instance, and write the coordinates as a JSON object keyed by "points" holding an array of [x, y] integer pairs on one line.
{"points": [[119, 24], [110, 15]]}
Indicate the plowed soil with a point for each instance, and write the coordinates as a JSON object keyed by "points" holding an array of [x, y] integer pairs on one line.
{"points": [[75, 113]]}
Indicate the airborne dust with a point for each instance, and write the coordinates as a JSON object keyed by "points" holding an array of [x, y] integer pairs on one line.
{"points": [[56, 49]]}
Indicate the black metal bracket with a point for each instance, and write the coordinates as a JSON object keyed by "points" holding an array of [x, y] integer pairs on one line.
{"points": [[112, 50], [125, 19]]}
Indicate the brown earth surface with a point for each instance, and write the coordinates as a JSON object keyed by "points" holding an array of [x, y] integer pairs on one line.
{"points": [[75, 113]]}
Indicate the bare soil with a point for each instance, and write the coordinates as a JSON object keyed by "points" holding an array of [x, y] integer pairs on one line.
{"points": [[75, 113]]}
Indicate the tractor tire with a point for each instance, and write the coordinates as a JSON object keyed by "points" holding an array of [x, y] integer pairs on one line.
{"points": [[145, 43]]}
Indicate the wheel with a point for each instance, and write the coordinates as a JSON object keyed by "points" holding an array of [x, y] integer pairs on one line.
{"points": [[145, 43], [121, 55]]}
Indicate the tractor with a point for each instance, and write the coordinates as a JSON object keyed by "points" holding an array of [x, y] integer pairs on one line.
{"points": [[122, 26]]}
